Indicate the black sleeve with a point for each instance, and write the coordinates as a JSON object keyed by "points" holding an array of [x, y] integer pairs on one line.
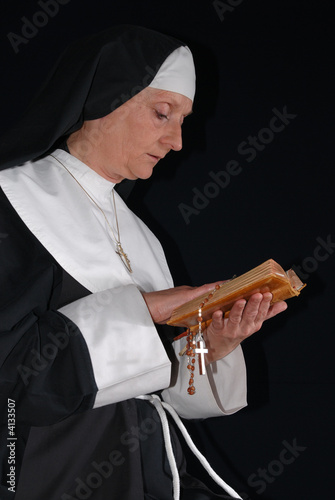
{"points": [[45, 365]]}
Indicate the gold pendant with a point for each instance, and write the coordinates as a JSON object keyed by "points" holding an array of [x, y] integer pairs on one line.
{"points": [[124, 258]]}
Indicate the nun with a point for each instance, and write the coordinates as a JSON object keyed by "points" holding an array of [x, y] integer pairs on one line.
{"points": [[92, 387]]}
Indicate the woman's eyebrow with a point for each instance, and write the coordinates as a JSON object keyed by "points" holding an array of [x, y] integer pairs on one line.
{"points": [[175, 104]]}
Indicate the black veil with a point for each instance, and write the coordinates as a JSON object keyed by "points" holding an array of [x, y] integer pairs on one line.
{"points": [[92, 77]]}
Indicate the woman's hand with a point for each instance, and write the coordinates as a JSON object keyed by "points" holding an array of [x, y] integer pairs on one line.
{"points": [[161, 304], [223, 335]]}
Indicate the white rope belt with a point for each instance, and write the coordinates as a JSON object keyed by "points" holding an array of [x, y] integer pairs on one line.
{"points": [[161, 406]]}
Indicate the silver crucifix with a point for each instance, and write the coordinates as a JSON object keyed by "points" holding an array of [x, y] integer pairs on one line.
{"points": [[201, 351]]}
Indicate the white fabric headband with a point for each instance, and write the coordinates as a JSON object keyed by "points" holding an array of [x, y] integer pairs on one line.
{"points": [[177, 73]]}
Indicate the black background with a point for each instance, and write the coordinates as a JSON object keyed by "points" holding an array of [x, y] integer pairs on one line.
{"points": [[263, 55]]}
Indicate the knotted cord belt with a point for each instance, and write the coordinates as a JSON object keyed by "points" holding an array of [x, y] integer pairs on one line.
{"points": [[161, 408]]}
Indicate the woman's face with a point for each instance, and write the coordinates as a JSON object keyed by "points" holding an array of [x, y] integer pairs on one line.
{"points": [[130, 141]]}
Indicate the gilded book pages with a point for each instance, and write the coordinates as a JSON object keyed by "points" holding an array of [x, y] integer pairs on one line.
{"points": [[267, 277]]}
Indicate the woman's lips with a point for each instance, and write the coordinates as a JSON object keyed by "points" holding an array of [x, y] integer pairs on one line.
{"points": [[157, 158]]}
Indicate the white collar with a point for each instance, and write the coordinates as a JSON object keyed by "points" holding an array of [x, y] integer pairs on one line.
{"points": [[73, 230], [99, 187]]}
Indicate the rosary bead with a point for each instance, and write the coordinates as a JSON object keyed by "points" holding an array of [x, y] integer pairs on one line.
{"points": [[210, 295], [206, 300], [193, 360], [217, 287], [200, 319]]}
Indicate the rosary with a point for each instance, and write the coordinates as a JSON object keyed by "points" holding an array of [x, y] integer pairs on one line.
{"points": [[195, 345]]}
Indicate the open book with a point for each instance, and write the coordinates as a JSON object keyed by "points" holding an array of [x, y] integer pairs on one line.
{"points": [[268, 277]]}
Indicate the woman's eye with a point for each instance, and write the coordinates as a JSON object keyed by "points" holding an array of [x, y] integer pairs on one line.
{"points": [[161, 116]]}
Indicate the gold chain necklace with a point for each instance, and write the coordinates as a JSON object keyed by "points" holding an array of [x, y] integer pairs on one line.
{"points": [[119, 250]]}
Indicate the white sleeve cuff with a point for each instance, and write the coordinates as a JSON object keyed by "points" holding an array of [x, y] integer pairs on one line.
{"points": [[127, 355], [222, 391]]}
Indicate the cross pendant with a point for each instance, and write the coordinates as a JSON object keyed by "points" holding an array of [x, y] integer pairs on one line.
{"points": [[201, 350], [124, 258]]}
